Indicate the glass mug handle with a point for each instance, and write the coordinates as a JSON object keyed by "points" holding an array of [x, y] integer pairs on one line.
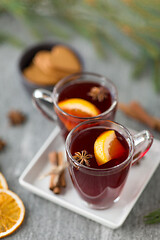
{"points": [[142, 143], [45, 95]]}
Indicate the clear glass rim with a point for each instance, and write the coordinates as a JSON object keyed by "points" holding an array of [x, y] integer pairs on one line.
{"points": [[110, 109], [109, 170]]}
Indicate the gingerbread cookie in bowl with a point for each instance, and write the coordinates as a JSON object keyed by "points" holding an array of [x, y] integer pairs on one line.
{"points": [[48, 66], [64, 60]]}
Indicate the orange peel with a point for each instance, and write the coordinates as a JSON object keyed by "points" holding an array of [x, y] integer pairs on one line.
{"points": [[79, 107], [107, 147]]}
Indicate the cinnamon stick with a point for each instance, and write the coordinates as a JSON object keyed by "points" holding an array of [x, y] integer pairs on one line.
{"points": [[57, 179], [136, 111], [62, 176], [157, 123], [142, 115], [126, 109], [54, 180], [145, 117]]}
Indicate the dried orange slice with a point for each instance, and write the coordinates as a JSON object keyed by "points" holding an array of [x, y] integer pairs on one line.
{"points": [[79, 107], [3, 182], [107, 147], [11, 212]]}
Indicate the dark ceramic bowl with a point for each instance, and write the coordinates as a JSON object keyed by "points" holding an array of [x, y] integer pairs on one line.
{"points": [[26, 59]]}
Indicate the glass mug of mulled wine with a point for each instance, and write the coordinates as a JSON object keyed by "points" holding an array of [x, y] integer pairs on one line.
{"points": [[100, 154], [77, 98]]}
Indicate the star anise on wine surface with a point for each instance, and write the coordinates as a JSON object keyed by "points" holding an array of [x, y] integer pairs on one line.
{"points": [[83, 157], [98, 93]]}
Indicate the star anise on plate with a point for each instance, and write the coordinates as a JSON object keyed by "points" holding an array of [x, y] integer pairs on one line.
{"points": [[98, 93], [83, 157], [16, 117]]}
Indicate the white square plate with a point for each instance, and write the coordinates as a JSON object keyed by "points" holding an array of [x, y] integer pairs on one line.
{"points": [[113, 217]]}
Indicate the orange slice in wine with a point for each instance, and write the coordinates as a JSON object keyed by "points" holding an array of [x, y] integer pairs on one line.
{"points": [[107, 147], [79, 107]]}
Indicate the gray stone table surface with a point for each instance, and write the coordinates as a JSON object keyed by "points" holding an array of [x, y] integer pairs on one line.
{"points": [[45, 220]]}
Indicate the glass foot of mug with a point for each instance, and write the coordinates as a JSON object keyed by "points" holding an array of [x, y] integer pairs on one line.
{"points": [[98, 207]]}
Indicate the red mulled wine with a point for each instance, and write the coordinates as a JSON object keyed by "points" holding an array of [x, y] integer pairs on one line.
{"points": [[84, 90], [101, 187]]}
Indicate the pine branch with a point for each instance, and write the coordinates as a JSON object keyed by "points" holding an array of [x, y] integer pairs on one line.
{"points": [[156, 75], [107, 24], [5, 37], [139, 67], [153, 217]]}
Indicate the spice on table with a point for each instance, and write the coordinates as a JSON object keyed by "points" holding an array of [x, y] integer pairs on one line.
{"points": [[16, 117], [2, 144], [57, 173], [136, 111]]}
